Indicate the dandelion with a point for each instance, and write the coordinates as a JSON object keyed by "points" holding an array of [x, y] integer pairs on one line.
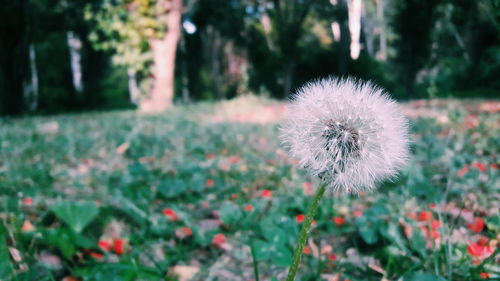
{"points": [[350, 135]]}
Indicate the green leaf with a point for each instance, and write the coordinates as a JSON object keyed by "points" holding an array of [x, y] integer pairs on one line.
{"points": [[493, 223], [417, 242], [76, 215], [197, 182], [282, 256], [422, 276], [276, 236], [62, 239], [5, 264], [261, 250], [171, 188], [393, 234], [369, 233], [230, 213]]}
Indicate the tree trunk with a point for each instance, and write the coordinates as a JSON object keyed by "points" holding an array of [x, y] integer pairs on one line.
{"points": [[164, 53], [31, 90], [382, 55], [133, 88], [355, 7], [343, 53], [75, 46], [14, 53], [288, 77]]}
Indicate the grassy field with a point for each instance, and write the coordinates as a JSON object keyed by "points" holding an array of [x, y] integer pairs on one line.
{"points": [[188, 194]]}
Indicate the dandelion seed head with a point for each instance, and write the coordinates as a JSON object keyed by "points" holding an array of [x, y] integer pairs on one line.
{"points": [[347, 132]]}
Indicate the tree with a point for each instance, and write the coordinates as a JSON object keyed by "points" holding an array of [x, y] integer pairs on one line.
{"points": [[144, 35], [413, 23], [288, 17], [14, 54]]}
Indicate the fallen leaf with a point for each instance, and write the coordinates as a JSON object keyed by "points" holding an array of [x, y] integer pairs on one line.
{"points": [[122, 148], [15, 254], [27, 226], [185, 272]]}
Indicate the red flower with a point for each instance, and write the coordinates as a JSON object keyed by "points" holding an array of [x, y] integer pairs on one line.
{"points": [[96, 256], [187, 231], [463, 171], [480, 166], [430, 233], [209, 156], [28, 201], [248, 208], [482, 241], [432, 205], [219, 239], [435, 224], [300, 218], [234, 196], [479, 251], [332, 257], [307, 250], [209, 183], [435, 234], [338, 220], [494, 166], [484, 275], [358, 213], [105, 245], [266, 193], [171, 214], [412, 215], [234, 159], [477, 225], [425, 216], [118, 246]]}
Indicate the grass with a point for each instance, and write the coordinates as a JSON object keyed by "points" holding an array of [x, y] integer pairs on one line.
{"points": [[121, 196]]}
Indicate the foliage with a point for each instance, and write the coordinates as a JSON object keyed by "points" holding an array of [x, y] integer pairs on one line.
{"points": [[126, 27], [117, 196]]}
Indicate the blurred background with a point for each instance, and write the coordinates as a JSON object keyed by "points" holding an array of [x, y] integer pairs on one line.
{"points": [[72, 55]]}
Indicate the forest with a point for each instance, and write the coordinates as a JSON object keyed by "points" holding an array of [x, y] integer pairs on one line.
{"points": [[70, 55]]}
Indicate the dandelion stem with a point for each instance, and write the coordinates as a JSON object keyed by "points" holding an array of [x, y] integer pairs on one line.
{"points": [[254, 262], [299, 247]]}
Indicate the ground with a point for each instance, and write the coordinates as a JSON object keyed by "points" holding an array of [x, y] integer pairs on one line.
{"points": [[186, 195]]}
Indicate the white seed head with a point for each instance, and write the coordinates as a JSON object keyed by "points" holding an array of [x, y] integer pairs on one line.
{"points": [[347, 132]]}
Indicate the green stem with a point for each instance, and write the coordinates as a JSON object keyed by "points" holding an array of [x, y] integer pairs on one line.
{"points": [[254, 259], [299, 248]]}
